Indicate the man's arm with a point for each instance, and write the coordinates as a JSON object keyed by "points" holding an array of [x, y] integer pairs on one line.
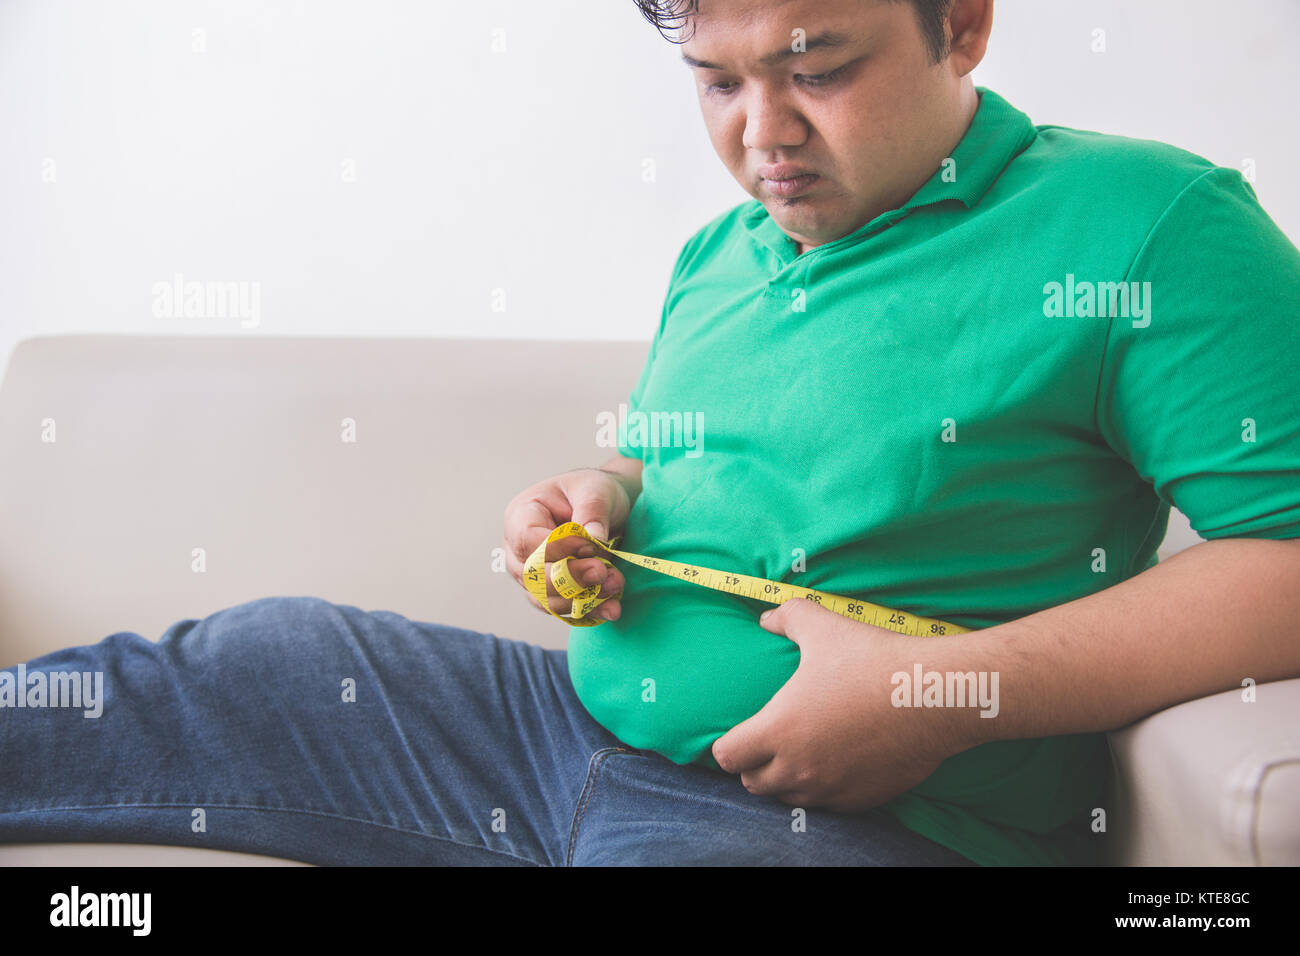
{"points": [[1196, 624]]}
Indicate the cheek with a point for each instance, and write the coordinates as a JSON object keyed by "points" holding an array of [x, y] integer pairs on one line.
{"points": [[727, 134], [857, 135], [839, 153]]}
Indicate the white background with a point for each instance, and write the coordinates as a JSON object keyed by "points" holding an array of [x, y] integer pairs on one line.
{"points": [[519, 170], [475, 169]]}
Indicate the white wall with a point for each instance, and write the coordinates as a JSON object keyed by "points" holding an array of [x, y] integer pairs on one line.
{"points": [[379, 168], [476, 170]]}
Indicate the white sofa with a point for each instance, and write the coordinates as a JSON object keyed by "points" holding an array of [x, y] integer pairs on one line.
{"points": [[232, 444]]}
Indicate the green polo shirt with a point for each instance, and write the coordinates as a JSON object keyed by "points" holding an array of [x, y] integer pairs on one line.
{"points": [[974, 407]]}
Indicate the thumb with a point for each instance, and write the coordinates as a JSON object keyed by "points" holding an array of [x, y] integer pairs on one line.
{"points": [[792, 618], [746, 746], [592, 512], [591, 494]]}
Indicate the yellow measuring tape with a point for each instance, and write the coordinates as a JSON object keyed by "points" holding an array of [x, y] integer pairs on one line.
{"points": [[587, 598]]}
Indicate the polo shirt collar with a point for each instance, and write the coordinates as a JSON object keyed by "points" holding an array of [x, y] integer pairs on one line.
{"points": [[997, 134]]}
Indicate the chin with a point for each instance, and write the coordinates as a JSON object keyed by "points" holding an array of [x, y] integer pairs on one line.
{"points": [[798, 227]]}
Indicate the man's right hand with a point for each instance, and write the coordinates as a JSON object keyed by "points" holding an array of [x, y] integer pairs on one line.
{"points": [[598, 500]]}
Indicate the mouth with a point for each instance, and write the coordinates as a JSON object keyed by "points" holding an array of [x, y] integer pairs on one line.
{"points": [[786, 179], [793, 186]]}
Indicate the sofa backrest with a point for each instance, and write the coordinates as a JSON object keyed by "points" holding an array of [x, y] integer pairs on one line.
{"points": [[235, 446]]}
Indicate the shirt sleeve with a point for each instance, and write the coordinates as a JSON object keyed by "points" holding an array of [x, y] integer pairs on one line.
{"points": [[1202, 394], [634, 399]]}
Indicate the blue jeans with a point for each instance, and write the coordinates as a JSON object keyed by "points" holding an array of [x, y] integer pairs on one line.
{"points": [[299, 728]]}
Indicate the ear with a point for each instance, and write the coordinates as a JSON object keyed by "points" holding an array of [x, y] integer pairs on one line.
{"points": [[969, 24]]}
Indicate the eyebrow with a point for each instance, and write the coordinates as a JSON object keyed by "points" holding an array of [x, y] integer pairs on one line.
{"points": [[826, 40]]}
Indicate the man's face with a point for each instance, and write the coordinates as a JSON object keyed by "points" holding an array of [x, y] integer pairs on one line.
{"points": [[828, 138]]}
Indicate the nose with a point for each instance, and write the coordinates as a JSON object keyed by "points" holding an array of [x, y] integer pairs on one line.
{"points": [[771, 122]]}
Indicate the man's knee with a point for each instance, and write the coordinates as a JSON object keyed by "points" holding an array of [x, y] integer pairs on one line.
{"points": [[279, 634]]}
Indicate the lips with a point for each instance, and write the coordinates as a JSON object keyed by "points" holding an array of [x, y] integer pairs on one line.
{"points": [[786, 179], [786, 188], [783, 171]]}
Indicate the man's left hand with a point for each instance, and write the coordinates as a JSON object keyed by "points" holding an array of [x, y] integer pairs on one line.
{"points": [[830, 737]]}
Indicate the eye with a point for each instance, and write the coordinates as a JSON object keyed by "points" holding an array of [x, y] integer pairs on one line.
{"points": [[721, 88], [823, 79]]}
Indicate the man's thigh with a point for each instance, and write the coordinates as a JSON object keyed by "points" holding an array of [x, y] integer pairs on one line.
{"points": [[639, 808], [302, 728]]}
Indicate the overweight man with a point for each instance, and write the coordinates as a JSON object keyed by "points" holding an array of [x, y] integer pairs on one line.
{"points": [[945, 360]]}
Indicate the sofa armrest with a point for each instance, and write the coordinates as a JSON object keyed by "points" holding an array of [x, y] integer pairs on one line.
{"points": [[1213, 782], [129, 854]]}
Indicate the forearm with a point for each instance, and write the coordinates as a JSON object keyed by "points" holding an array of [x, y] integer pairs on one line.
{"points": [[1199, 623]]}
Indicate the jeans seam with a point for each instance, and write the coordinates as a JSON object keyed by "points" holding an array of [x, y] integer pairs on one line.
{"points": [[589, 786], [243, 806]]}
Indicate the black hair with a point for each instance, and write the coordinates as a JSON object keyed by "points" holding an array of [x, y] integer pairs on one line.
{"points": [[669, 15]]}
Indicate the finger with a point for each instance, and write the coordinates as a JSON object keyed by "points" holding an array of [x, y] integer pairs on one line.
{"points": [[746, 746], [598, 499], [534, 515], [557, 603], [586, 572], [608, 610], [772, 779], [589, 572], [554, 551], [797, 619], [527, 525], [587, 496], [529, 528]]}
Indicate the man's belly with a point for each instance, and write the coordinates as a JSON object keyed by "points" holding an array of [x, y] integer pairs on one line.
{"points": [[681, 666], [684, 664]]}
